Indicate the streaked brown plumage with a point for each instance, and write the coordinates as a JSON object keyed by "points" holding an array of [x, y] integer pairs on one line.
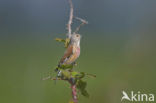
{"points": [[73, 50]]}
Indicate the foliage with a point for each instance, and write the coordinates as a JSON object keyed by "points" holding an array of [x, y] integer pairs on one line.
{"points": [[81, 85], [65, 41]]}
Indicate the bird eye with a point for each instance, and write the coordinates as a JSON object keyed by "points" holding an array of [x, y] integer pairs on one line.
{"points": [[77, 35]]}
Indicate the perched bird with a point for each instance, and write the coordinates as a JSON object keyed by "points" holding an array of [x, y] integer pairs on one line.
{"points": [[72, 52]]}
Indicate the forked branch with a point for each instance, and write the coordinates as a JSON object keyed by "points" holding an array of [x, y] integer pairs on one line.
{"points": [[71, 16], [83, 22]]}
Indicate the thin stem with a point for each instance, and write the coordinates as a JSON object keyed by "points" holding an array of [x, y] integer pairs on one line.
{"points": [[70, 19], [83, 22], [74, 93]]}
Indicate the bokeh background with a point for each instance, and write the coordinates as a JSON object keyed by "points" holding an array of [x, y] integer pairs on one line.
{"points": [[118, 45]]}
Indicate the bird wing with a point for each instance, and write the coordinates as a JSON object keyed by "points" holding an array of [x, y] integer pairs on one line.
{"points": [[67, 54]]}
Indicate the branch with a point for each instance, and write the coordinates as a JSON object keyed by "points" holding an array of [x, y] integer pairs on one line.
{"points": [[74, 93], [46, 78], [83, 22], [71, 76], [70, 19]]}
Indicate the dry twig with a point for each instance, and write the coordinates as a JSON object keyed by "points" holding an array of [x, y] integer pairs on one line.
{"points": [[70, 19], [83, 22]]}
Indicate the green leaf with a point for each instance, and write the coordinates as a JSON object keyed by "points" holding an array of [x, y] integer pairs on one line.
{"points": [[71, 101], [77, 75], [81, 85], [66, 42], [68, 66], [91, 75], [82, 75], [74, 74], [60, 40], [85, 93], [65, 74]]}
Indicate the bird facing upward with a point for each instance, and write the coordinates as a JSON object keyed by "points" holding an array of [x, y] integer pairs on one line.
{"points": [[72, 52]]}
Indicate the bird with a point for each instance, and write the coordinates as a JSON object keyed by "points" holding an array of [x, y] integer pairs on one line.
{"points": [[73, 50], [71, 53]]}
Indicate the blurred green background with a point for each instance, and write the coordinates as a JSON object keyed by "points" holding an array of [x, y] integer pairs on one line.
{"points": [[118, 45]]}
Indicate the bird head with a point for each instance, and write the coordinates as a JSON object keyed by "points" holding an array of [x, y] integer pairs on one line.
{"points": [[75, 39]]}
